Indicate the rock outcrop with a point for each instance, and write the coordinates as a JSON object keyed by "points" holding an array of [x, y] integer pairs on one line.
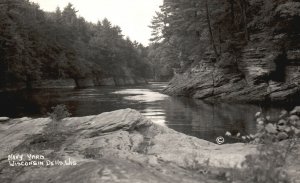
{"points": [[4, 119], [83, 83], [119, 146], [266, 67], [60, 83]]}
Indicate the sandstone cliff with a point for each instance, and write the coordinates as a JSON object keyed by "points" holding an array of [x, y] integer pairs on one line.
{"points": [[264, 68]]}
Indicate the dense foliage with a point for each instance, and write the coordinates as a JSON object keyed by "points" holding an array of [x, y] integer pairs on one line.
{"points": [[38, 45], [195, 30]]}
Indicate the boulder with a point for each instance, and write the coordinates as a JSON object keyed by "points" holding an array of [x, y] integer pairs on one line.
{"points": [[296, 111], [294, 118], [4, 119], [282, 136]]}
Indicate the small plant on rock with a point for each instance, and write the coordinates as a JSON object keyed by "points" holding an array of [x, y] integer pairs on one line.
{"points": [[59, 112]]}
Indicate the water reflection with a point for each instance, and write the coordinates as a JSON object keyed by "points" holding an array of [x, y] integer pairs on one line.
{"points": [[192, 117], [207, 120], [142, 95]]}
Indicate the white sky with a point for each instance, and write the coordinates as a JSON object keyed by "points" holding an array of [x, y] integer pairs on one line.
{"points": [[133, 16]]}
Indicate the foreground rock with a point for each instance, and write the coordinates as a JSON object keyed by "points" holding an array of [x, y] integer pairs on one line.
{"points": [[120, 146], [4, 119]]}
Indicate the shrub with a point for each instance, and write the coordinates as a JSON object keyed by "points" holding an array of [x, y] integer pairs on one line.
{"points": [[276, 143], [59, 112], [287, 126]]}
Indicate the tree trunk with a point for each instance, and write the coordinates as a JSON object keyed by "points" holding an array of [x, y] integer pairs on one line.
{"points": [[220, 41], [232, 11], [243, 7], [210, 30], [245, 20]]}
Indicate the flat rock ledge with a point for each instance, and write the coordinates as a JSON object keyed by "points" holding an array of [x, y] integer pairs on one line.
{"points": [[119, 146]]}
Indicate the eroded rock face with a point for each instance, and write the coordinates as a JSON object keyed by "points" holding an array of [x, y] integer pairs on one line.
{"points": [[119, 146], [62, 83], [257, 76], [266, 67]]}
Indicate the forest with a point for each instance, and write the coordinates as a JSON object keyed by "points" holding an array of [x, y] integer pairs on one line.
{"points": [[192, 27], [37, 45]]}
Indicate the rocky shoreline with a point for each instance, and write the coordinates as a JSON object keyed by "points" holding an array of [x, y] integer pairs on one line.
{"points": [[118, 146], [79, 83], [264, 68]]}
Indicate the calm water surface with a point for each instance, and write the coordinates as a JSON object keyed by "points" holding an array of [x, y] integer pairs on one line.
{"points": [[193, 117]]}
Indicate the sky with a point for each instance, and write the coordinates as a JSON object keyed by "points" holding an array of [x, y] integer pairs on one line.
{"points": [[133, 16]]}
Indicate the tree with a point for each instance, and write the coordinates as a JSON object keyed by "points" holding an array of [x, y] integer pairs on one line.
{"points": [[69, 14], [157, 26]]}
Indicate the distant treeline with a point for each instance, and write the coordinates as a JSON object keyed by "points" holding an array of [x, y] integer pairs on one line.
{"points": [[37, 45]]}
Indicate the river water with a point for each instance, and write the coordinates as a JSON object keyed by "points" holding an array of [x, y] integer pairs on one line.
{"points": [[192, 117]]}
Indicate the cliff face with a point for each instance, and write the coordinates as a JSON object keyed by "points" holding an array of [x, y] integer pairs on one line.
{"points": [[266, 67]]}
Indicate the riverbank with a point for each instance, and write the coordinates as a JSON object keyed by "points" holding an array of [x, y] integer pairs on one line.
{"points": [[78, 83], [262, 67], [118, 146]]}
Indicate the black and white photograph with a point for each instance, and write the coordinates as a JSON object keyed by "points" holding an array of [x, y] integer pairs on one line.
{"points": [[149, 91]]}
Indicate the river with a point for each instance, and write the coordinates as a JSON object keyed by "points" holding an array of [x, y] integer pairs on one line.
{"points": [[193, 117]]}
